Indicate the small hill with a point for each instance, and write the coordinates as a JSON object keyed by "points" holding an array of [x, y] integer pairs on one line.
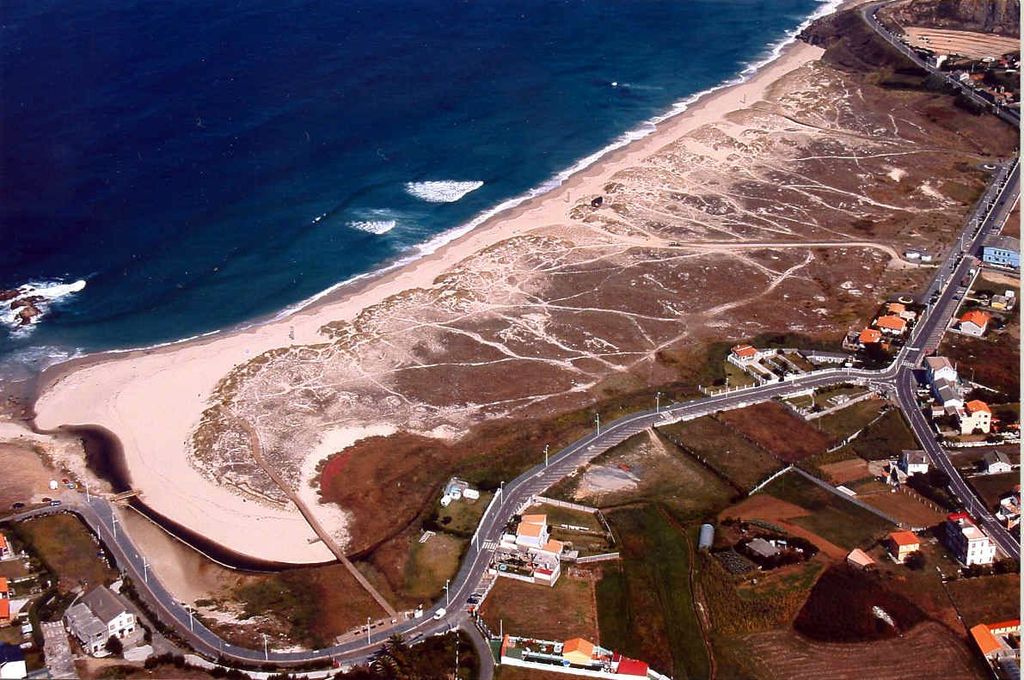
{"points": [[1001, 17], [851, 45]]}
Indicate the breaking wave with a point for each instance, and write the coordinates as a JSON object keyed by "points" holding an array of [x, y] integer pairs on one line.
{"points": [[447, 191], [373, 226], [42, 295]]}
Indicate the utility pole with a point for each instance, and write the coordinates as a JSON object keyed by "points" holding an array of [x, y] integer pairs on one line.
{"points": [[113, 522], [657, 402], [88, 498], [266, 650], [145, 569], [546, 447], [447, 596], [368, 630], [597, 417]]}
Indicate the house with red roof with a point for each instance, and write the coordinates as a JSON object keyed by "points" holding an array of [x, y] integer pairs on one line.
{"points": [[975, 323], [975, 416], [891, 324], [869, 336], [901, 544]]}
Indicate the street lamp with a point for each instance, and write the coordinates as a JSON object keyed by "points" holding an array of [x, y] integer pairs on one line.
{"points": [[368, 630], [447, 597], [546, 447], [657, 402], [597, 418], [266, 650]]}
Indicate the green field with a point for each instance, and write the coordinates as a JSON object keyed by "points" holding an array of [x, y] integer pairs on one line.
{"points": [[831, 517], [843, 423], [645, 606], [723, 450], [885, 439]]}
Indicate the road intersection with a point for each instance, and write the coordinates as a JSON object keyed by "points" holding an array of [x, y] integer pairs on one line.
{"points": [[942, 299]]}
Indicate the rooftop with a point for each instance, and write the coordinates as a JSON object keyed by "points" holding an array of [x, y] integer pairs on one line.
{"points": [[869, 336], [893, 323], [1004, 242], [744, 351], [904, 539], [104, 604], [976, 317], [975, 405], [938, 363], [986, 641]]}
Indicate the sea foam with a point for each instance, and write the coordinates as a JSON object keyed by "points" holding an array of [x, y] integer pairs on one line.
{"points": [[43, 294], [378, 227], [447, 191]]}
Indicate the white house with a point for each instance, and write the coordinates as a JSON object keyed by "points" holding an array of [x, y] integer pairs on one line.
{"points": [[97, 617], [976, 415], [914, 463], [940, 368], [12, 662], [969, 544], [997, 462], [532, 531], [974, 323]]}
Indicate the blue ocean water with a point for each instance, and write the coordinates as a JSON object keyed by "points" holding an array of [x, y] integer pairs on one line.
{"points": [[201, 164]]}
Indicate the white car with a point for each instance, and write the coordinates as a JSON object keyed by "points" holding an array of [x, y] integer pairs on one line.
{"points": [[440, 614]]}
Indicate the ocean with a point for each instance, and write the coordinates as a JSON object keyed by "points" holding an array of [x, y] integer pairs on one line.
{"points": [[173, 169]]}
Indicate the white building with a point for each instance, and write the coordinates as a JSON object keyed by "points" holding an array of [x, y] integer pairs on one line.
{"points": [[97, 617], [914, 463], [997, 462], [940, 368], [12, 663], [967, 542], [975, 415]]}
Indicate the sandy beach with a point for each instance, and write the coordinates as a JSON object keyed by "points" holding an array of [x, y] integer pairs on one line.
{"points": [[153, 399], [746, 183]]}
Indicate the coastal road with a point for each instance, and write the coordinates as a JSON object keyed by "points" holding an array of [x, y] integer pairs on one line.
{"points": [[870, 14], [942, 297], [513, 495]]}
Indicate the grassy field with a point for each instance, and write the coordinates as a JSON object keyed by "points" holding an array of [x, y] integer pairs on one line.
{"points": [[430, 564], [831, 517], [558, 613], [723, 450], [777, 429], [648, 468], [645, 606], [927, 651], [986, 599], [843, 423], [736, 605], [885, 439], [316, 604], [67, 549], [904, 507]]}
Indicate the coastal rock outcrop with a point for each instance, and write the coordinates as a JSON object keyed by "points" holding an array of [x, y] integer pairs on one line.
{"points": [[1001, 17]]}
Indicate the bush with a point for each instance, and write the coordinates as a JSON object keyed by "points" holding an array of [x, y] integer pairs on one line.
{"points": [[114, 646], [916, 560]]}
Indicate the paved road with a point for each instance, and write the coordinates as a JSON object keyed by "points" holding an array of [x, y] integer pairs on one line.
{"points": [[870, 11], [897, 377]]}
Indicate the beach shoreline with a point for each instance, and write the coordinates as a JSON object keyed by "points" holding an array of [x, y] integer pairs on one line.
{"points": [[124, 390]]}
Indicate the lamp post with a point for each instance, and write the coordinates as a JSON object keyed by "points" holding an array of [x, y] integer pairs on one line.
{"points": [[597, 419], [368, 630], [266, 649], [657, 402], [447, 596], [546, 447]]}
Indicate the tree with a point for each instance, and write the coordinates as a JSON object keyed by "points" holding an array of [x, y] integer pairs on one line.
{"points": [[916, 560], [114, 646]]}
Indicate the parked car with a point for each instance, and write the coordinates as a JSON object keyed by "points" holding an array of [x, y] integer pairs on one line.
{"points": [[440, 614], [54, 504], [17, 506]]}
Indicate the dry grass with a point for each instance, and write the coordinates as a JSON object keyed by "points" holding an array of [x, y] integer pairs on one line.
{"points": [[68, 549], [561, 612], [927, 651], [778, 430], [987, 599]]}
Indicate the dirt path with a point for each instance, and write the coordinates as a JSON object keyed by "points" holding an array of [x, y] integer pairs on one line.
{"points": [[257, 454]]}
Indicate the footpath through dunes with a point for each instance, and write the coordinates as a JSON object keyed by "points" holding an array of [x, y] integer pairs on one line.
{"points": [[598, 289]]}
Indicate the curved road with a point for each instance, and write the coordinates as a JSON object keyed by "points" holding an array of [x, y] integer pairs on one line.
{"points": [[898, 378]]}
